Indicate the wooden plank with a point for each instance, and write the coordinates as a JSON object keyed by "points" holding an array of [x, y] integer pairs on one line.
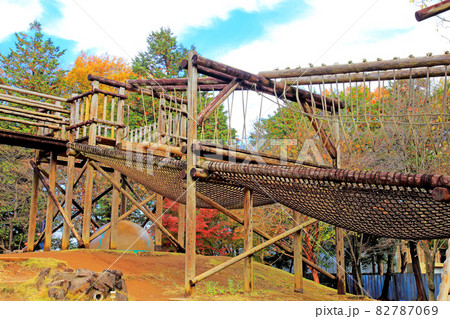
{"points": [[33, 208], [135, 202], [250, 252], [159, 212], [298, 255], [191, 204], [181, 222], [248, 240]]}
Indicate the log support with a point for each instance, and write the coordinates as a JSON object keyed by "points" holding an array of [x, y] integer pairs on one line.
{"points": [[191, 206], [444, 287], [50, 204], [248, 240], [33, 208], [159, 212], [340, 261], [298, 264], [181, 222]]}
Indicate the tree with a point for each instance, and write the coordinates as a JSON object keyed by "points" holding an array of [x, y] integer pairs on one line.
{"points": [[105, 65], [162, 57], [34, 63]]}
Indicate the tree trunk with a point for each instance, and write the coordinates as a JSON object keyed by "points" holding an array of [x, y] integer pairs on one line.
{"points": [[430, 262], [374, 265], [380, 264], [421, 293], [11, 222], [387, 279]]}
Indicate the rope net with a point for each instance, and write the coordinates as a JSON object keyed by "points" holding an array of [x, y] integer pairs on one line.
{"points": [[382, 204]]}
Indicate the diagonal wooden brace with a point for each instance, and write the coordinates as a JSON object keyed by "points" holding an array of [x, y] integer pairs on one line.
{"points": [[135, 203], [250, 252], [222, 96], [58, 206]]}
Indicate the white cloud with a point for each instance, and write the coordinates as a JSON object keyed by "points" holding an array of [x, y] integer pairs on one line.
{"points": [[17, 15], [121, 28]]}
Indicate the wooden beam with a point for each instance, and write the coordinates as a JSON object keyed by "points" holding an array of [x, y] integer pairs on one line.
{"points": [[39, 124], [191, 203], [33, 208], [433, 10], [222, 96], [298, 255], [340, 260], [159, 213], [50, 204], [173, 81], [45, 96], [366, 77], [248, 240], [32, 103], [58, 206], [250, 252], [152, 218], [441, 194], [437, 60]]}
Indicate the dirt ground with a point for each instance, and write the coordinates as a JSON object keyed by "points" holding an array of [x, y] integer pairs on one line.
{"points": [[160, 276]]}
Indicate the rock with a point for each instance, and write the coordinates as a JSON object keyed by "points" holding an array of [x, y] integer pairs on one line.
{"points": [[115, 272], [121, 297], [81, 284], [56, 293], [69, 276], [64, 284], [120, 285], [107, 278], [84, 272], [41, 277], [101, 287]]}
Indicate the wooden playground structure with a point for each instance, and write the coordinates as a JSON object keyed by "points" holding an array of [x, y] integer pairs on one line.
{"points": [[89, 132]]}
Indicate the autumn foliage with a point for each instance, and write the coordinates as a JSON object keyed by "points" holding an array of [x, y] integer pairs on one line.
{"points": [[111, 67]]}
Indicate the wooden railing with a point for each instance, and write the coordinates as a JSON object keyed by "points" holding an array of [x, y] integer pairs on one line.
{"points": [[47, 113]]}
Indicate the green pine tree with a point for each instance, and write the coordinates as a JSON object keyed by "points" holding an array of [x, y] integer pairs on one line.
{"points": [[34, 63]]}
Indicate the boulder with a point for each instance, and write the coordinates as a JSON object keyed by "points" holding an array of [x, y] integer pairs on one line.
{"points": [[84, 273], [115, 272], [81, 284], [120, 285], [107, 279], [69, 276], [101, 287], [56, 293], [41, 277], [64, 284]]}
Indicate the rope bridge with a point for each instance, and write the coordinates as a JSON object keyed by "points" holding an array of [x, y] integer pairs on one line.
{"points": [[393, 205]]}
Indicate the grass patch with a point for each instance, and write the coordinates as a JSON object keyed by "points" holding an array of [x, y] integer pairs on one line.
{"points": [[40, 263]]}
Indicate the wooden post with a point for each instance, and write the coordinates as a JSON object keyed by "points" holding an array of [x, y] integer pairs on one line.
{"points": [[116, 195], [339, 232], [248, 240], [50, 204], [191, 203], [298, 263], [89, 183], [65, 241], [181, 223], [33, 208], [159, 212]]}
